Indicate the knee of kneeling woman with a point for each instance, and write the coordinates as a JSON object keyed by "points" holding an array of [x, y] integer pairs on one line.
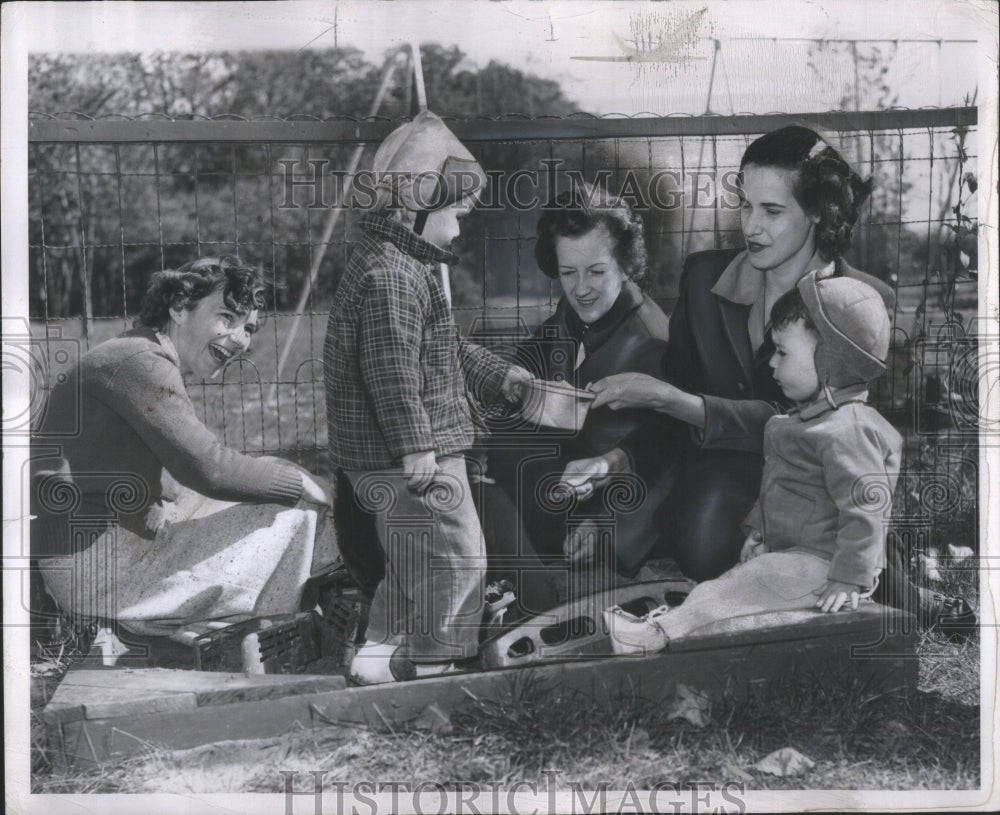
{"points": [[704, 564], [705, 545]]}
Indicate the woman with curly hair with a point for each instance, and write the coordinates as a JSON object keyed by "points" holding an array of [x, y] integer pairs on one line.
{"points": [[800, 201], [603, 324], [178, 527]]}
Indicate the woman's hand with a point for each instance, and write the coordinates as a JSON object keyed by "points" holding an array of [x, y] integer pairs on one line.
{"points": [[834, 594], [752, 547], [420, 469], [513, 384], [632, 390], [581, 543], [585, 475], [315, 490]]}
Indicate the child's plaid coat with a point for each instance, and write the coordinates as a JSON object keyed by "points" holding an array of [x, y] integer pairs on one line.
{"points": [[396, 370]]}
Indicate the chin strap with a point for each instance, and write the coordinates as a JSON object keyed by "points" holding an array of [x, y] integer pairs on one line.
{"points": [[828, 395], [420, 222]]}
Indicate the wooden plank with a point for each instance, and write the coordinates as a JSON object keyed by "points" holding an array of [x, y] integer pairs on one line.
{"points": [[110, 131], [718, 670], [870, 621], [132, 702], [108, 693], [259, 691]]}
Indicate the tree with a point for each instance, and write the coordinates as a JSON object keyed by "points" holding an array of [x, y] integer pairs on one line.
{"points": [[137, 208]]}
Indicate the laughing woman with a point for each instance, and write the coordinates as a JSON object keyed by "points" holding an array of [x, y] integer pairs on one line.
{"points": [[144, 516]]}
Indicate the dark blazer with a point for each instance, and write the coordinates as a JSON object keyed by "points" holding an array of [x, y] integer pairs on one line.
{"points": [[709, 353], [631, 337]]}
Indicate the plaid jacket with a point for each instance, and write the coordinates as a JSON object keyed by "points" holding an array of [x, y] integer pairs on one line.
{"points": [[396, 370]]}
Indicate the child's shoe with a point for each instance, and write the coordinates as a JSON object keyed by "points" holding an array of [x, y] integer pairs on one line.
{"points": [[379, 663], [372, 664], [635, 635]]}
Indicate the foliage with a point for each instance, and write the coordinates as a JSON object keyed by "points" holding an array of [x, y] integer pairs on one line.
{"points": [[104, 216]]}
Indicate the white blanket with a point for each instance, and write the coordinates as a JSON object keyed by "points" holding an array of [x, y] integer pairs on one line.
{"points": [[211, 560]]}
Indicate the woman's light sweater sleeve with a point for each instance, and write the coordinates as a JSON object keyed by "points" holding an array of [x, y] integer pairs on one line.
{"points": [[146, 389]]}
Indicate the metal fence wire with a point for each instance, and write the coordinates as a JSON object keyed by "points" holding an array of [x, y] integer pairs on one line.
{"points": [[114, 200]]}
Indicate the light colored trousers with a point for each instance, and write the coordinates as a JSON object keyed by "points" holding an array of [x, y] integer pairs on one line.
{"points": [[774, 581], [431, 598]]}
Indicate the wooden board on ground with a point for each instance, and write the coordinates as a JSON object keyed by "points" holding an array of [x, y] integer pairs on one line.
{"points": [[728, 659], [106, 693]]}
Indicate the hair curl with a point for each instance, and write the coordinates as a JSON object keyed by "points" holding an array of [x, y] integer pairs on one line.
{"points": [[789, 308], [825, 185], [243, 288], [578, 211]]}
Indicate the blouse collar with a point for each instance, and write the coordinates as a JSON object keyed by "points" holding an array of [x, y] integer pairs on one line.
{"points": [[743, 283]]}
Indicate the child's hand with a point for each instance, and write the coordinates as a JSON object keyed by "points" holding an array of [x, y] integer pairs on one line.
{"points": [[513, 384], [754, 545], [420, 469], [834, 594]]}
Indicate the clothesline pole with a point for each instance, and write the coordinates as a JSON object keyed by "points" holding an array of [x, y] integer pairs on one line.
{"points": [[331, 223], [418, 74]]}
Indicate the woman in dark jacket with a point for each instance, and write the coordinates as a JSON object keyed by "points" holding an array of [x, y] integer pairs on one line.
{"points": [[603, 324], [800, 201]]}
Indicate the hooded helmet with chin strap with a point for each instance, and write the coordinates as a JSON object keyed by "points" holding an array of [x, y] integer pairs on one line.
{"points": [[853, 326], [423, 167]]}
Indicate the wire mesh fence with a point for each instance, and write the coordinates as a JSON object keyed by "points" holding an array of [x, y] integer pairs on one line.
{"points": [[114, 200]]}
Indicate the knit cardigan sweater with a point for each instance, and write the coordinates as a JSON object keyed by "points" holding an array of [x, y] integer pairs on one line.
{"points": [[135, 434]]}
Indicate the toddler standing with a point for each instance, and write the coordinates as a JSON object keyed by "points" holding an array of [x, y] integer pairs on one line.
{"points": [[397, 375]]}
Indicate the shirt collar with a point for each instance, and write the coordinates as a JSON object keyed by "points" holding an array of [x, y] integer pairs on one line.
{"points": [[742, 283], [405, 240], [830, 399]]}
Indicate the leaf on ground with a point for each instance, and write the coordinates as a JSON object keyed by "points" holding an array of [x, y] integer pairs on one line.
{"points": [[639, 740], [46, 668], [434, 719], [745, 776], [929, 569], [691, 705], [959, 554], [784, 762]]}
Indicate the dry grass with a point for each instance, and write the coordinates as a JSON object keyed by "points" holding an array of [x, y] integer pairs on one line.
{"points": [[859, 740]]}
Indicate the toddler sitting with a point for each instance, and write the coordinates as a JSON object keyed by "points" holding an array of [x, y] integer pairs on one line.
{"points": [[815, 537]]}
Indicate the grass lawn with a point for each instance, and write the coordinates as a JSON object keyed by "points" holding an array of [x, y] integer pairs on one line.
{"points": [[857, 739]]}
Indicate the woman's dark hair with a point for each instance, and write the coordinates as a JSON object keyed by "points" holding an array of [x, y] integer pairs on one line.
{"points": [[788, 308], [578, 211], [825, 185], [242, 286]]}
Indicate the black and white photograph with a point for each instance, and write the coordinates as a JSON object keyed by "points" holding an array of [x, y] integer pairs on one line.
{"points": [[500, 406]]}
